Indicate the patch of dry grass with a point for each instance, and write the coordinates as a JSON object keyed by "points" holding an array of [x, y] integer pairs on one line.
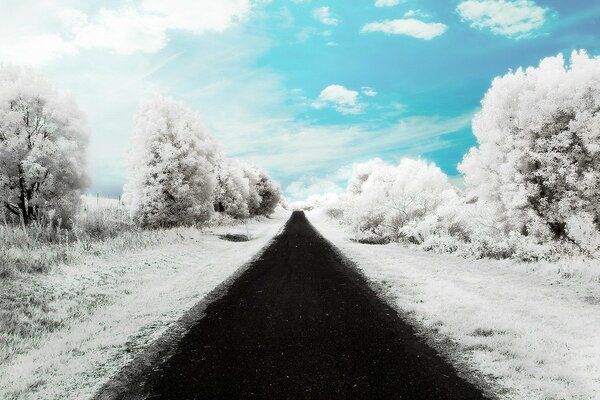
{"points": [[101, 228]]}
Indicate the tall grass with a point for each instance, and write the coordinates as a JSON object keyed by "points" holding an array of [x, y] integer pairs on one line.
{"points": [[102, 226]]}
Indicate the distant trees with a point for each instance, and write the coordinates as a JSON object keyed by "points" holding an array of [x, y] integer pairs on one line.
{"points": [[178, 175], [269, 193], [232, 192], [43, 141], [537, 164], [171, 166], [388, 202], [244, 190]]}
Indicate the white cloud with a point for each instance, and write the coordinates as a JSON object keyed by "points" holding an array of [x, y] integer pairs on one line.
{"points": [[37, 50], [514, 19], [124, 32], [343, 100], [55, 29], [416, 13], [387, 3], [368, 91], [324, 15], [298, 149], [306, 187], [199, 16], [409, 27]]}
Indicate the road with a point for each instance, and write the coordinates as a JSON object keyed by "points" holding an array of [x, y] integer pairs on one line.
{"points": [[300, 323]]}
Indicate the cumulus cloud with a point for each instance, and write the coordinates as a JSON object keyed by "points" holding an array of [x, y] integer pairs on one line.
{"points": [[387, 3], [514, 19], [324, 15], [343, 100], [409, 27], [58, 29]]}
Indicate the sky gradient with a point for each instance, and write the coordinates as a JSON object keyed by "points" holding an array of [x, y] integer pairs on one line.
{"points": [[302, 88]]}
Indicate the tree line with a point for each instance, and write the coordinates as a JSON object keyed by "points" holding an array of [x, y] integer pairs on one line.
{"points": [[532, 184], [177, 172]]}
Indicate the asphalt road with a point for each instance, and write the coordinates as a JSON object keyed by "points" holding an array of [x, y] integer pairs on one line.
{"points": [[301, 323]]}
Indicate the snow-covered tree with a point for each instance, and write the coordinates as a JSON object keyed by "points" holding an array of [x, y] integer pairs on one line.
{"points": [[253, 175], [43, 141], [537, 164], [232, 192], [171, 166], [392, 202], [269, 193]]}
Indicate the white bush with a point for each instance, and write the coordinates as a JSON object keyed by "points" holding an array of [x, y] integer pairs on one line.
{"points": [[583, 231], [232, 192], [270, 194], [390, 203], [537, 163], [172, 160], [43, 141]]}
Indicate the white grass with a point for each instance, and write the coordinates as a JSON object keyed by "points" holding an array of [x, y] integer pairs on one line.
{"points": [[532, 330], [103, 309]]}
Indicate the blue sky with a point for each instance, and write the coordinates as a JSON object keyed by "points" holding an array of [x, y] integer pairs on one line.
{"points": [[302, 88]]}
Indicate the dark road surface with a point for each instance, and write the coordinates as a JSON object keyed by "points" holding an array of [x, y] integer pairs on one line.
{"points": [[301, 324]]}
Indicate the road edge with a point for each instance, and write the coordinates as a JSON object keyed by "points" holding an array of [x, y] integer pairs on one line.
{"points": [[133, 375], [443, 346]]}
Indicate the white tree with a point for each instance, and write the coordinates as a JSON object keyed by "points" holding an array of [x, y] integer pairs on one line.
{"points": [[269, 193], [387, 202], [43, 141], [232, 192], [171, 166], [537, 164]]}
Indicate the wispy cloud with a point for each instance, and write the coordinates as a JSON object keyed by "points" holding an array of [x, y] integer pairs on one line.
{"points": [[323, 14], [388, 3], [510, 18], [368, 91], [409, 27], [292, 148]]}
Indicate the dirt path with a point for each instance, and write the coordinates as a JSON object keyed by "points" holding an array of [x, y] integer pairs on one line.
{"points": [[300, 324]]}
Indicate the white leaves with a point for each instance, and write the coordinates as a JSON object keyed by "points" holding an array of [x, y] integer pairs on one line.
{"points": [[43, 140], [387, 202], [171, 164], [538, 162]]}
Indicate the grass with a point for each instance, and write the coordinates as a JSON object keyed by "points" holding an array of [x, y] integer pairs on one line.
{"points": [[522, 330], [65, 331], [101, 228]]}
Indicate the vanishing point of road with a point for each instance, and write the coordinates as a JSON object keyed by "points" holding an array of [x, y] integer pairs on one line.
{"points": [[301, 323]]}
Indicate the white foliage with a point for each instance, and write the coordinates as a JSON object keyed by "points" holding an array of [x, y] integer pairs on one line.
{"points": [[538, 159], [232, 192], [171, 166], [43, 141], [391, 202], [584, 232], [270, 194]]}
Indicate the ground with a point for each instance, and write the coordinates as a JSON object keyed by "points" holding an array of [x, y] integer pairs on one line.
{"points": [[530, 330], [107, 308]]}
